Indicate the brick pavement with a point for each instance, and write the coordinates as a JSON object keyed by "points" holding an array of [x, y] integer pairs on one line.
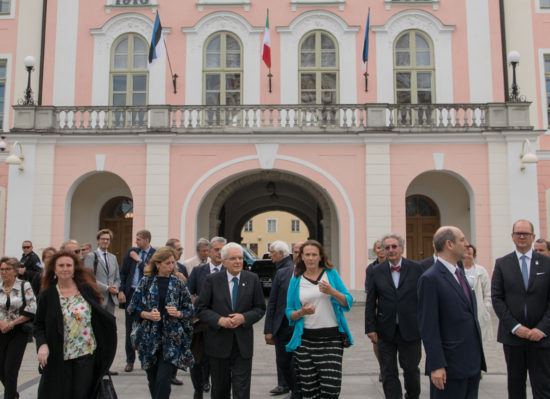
{"points": [[360, 369]]}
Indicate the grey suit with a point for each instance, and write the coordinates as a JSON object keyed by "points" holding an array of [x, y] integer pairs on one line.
{"points": [[106, 275]]}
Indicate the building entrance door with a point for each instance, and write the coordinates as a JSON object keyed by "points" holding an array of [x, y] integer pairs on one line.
{"points": [[423, 220], [117, 215]]}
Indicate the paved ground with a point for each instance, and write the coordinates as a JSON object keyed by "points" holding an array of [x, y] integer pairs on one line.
{"points": [[360, 369]]}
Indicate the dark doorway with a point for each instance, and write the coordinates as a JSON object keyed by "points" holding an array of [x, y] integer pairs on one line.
{"points": [[423, 220], [117, 215]]}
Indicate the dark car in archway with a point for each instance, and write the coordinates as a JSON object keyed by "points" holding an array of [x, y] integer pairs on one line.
{"points": [[264, 268]]}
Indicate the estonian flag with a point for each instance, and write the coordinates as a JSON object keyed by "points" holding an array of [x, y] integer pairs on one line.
{"points": [[366, 42], [157, 43]]}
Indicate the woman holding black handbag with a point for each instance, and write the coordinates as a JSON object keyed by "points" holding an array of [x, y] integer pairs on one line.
{"points": [[17, 306], [75, 336]]}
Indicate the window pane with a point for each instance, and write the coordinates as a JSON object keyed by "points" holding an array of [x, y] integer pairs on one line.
{"points": [[424, 80], [547, 63], [119, 99], [328, 59], [140, 83], [212, 60], [403, 97], [139, 99], [327, 42], [423, 58], [421, 42], [122, 47], [402, 58], [403, 80], [139, 45], [233, 81], [213, 98], [214, 44], [548, 85], [2, 69], [424, 97], [233, 60], [2, 91], [233, 98], [308, 97], [119, 83], [545, 3], [231, 44], [328, 97], [328, 81], [121, 61], [212, 81], [4, 8], [307, 81], [309, 43], [307, 59], [403, 42]]}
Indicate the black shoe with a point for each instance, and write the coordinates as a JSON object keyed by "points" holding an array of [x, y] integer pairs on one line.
{"points": [[206, 387], [129, 367], [175, 381], [278, 390], [197, 395], [112, 372]]}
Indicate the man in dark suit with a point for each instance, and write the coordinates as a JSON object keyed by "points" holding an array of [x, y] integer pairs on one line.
{"points": [[447, 321], [130, 273], [520, 291], [230, 303], [277, 331], [200, 372], [390, 318]]}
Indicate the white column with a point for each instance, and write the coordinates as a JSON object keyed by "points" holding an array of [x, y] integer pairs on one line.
{"points": [[378, 189], [157, 190], [43, 195], [66, 35], [499, 198], [19, 213]]}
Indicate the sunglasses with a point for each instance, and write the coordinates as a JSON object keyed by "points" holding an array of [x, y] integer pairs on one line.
{"points": [[26, 247], [393, 246]]}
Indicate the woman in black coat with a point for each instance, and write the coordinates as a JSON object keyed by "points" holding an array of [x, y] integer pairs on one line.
{"points": [[77, 344]]}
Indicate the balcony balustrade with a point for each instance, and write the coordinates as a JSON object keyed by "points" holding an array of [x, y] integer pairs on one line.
{"points": [[343, 118]]}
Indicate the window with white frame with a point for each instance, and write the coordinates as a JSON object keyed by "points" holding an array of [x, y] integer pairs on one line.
{"points": [[544, 3], [5, 6], [271, 225], [248, 226], [295, 226], [267, 247], [547, 81], [3, 64]]}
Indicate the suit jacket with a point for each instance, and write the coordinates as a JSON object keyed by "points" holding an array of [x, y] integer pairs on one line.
{"points": [[275, 314], [426, 263], [510, 298], [105, 275], [385, 303], [193, 262], [128, 268], [197, 277], [448, 325], [215, 302]]}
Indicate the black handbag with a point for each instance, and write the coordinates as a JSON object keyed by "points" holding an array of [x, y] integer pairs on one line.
{"points": [[106, 389], [27, 326]]}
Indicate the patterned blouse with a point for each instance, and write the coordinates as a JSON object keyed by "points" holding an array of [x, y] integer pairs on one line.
{"points": [[16, 301], [78, 336]]}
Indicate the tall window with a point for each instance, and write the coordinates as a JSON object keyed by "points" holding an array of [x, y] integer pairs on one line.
{"points": [[413, 68], [129, 78], [545, 3], [248, 226], [547, 79], [2, 91], [5, 6], [271, 225], [295, 226], [318, 69]]}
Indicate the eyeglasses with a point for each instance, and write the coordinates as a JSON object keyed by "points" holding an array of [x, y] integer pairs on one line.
{"points": [[5, 270], [393, 246], [77, 251], [522, 234], [26, 247]]}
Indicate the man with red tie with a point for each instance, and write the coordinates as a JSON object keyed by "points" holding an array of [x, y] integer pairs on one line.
{"points": [[390, 318]]}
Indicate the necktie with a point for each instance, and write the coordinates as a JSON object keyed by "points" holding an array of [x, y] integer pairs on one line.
{"points": [[463, 284], [395, 268], [105, 258], [235, 292], [143, 256], [524, 271], [214, 270]]}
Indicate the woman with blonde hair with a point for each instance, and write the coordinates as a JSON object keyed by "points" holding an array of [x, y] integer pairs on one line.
{"points": [[163, 330]]}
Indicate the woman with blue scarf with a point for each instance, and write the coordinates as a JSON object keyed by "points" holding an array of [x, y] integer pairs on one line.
{"points": [[316, 301]]}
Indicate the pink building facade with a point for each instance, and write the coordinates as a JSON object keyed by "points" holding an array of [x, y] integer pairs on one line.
{"points": [[113, 143]]}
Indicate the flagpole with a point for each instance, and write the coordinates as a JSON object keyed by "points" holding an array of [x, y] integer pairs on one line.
{"points": [[366, 74], [269, 75], [174, 75]]}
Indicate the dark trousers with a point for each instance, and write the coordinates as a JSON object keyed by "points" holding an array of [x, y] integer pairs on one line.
{"points": [[159, 376], [78, 377], [465, 388], [12, 349], [523, 358], [200, 373], [231, 375], [129, 320], [286, 376], [409, 354]]}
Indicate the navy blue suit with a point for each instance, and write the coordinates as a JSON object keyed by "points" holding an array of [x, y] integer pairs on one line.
{"points": [[276, 323], [450, 331], [126, 276], [197, 277]]}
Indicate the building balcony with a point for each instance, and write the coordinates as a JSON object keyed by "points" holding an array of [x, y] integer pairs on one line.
{"points": [[257, 119]]}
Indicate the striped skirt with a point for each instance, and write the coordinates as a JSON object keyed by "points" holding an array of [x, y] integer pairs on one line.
{"points": [[319, 367]]}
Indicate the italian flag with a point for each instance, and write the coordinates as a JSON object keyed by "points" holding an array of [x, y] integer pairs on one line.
{"points": [[266, 49]]}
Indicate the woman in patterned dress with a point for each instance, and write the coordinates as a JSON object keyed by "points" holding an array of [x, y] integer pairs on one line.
{"points": [[75, 336], [162, 333], [17, 306]]}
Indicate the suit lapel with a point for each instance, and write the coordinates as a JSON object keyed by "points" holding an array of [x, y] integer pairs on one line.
{"points": [[534, 268], [453, 283], [387, 274], [402, 273]]}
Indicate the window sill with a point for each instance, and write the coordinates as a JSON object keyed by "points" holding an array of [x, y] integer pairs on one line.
{"points": [[309, 3], [420, 3], [245, 4]]}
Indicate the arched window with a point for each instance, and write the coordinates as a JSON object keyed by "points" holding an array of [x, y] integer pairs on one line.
{"points": [[318, 69], [129, 78], [413, 68], [222, 70]]}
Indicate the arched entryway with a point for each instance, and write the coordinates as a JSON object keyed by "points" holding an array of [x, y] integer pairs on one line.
{"points": [[434, 195], [101, 200], [232, 202]]}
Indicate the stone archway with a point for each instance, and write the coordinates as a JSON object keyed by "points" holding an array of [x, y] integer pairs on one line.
{"points": [[233, 201]]}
